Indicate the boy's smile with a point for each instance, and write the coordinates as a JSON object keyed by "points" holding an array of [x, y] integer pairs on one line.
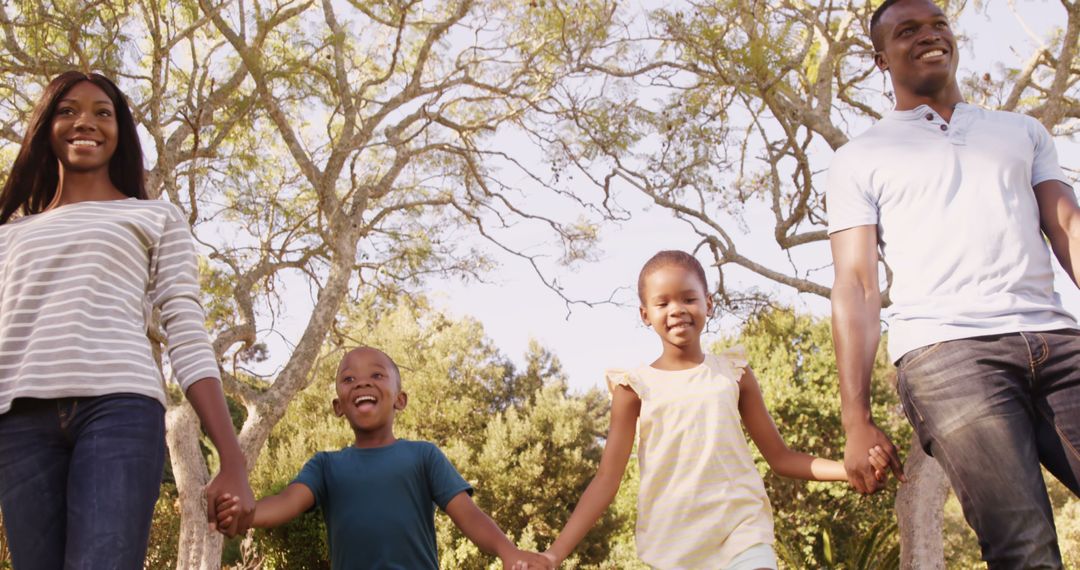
{"points": [[369, 395], [366, 402]]}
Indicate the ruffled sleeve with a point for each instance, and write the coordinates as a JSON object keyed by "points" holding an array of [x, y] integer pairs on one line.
{"points": [[735, 358], [621, 377]]}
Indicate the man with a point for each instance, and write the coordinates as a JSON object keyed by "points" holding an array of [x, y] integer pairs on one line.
{"points": [[958, 198]]}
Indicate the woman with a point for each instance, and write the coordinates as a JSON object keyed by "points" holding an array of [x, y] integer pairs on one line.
{"points": [[84, 258]]}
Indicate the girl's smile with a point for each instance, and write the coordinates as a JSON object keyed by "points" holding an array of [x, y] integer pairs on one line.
{"points": [[677, 307]]}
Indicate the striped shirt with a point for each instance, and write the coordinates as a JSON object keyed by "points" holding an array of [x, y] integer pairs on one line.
{"points": [[701, 501], [77, 285]]}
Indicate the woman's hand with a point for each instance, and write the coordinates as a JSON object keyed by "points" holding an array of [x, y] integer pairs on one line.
{"points": [[231, 482]]}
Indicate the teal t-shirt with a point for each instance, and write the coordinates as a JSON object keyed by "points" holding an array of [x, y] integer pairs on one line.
{"points": [[379, 504]]}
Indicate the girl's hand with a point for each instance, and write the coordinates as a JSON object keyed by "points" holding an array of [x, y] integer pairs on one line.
{"points": [[879, 461]]}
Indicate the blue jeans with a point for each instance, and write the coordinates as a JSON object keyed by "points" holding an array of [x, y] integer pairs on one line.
{"points": [[78, 480], [990, 410]]}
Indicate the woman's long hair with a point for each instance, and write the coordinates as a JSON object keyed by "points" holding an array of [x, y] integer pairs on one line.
{"points": [[31, 185]]}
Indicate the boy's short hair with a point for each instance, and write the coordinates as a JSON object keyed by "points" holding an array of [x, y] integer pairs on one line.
{"points": [[671, 257], [393, 365]]}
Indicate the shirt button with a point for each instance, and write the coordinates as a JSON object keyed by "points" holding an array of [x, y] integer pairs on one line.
{"points": [[929, 116], [944, 127]]}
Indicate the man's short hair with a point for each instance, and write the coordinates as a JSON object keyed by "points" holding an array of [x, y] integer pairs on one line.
{"points": [[875, 19]]}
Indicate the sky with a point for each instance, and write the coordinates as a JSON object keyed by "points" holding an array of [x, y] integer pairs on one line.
{"points": [[515, 307]]}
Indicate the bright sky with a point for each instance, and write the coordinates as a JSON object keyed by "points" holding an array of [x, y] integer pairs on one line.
{"points": [[514, 306]]}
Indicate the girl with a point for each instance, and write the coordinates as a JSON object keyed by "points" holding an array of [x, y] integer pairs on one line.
{"points": [[84, 257], [701, 503]]}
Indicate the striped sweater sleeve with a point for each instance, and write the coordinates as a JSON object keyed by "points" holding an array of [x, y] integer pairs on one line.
{"points": [[174, 288]]}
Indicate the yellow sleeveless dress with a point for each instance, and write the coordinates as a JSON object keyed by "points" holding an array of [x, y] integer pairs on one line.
{"points": [[701, 501]]}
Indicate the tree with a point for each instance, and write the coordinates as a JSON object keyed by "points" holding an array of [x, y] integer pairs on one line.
{"points": [[334, 147], [727, 114]]}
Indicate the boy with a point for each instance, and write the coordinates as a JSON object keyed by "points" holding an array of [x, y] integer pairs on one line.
{"points": [[378, 495]]}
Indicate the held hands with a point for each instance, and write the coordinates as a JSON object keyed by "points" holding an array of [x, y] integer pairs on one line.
{"points": [[227, 512], [231, 483], [524, 560], [868, 456], [880, 462]]}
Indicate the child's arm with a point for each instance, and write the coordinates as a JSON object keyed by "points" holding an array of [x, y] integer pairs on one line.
{"points": [[484, 533], [625, 407], [784, 461], [271, 511]]}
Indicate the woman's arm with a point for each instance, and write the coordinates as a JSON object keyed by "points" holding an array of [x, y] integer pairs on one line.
{"points": [[625, 407], [781, 459], [208, 401], [174, 290]]}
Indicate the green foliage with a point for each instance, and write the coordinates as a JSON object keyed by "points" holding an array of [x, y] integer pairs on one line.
{"points": [[165, 532], [5, 555], [623, 555], [535, 463], [792, 356], [300, 544], [521, 438], [878, 550]]}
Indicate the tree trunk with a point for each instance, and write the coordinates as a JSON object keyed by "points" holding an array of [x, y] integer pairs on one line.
{"points": [[920, 513], [199, 548]]}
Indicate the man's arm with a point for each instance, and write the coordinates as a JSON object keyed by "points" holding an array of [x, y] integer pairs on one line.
{"points": [[1059, 217], [856, 315]]}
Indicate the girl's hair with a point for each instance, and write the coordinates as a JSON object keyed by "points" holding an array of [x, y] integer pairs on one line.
{"points": [[666, 258], [31, 185]]}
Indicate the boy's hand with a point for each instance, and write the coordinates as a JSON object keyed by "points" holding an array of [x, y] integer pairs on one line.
{"points": [[228, 509], [523, 560], [879, 461]]}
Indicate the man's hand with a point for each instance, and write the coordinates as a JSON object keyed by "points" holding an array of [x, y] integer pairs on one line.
{"points": [[860, 471]]}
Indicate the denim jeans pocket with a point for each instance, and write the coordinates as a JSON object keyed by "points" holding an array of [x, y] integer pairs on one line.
{"points": [[913, 357], [904, 391]]}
